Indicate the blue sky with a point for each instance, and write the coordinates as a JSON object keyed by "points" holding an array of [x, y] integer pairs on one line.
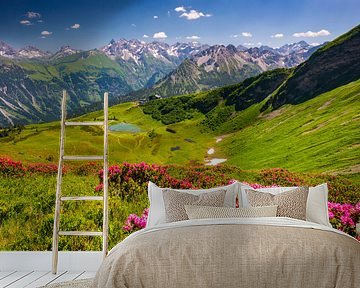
{"points": [[87, 24]]}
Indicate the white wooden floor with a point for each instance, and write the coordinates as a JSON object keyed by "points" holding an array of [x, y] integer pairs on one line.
{"points": [[32, 269], [32, 279]]}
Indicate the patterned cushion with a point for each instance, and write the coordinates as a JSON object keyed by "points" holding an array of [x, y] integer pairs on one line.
{"points": [[290, 203], [201, 212], [175, 201]]}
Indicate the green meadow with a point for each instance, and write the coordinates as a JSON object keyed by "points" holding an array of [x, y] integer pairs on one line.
{"points": [[319, 135], [154, 144]]}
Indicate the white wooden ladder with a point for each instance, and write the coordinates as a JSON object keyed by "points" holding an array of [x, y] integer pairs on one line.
{"points": [[60, 199]]}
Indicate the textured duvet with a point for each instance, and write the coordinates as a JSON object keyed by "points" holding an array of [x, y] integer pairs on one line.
{"points": [[259, 252]]}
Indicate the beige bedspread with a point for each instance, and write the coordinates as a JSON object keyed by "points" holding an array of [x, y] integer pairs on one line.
{"points": [[232, 254]]}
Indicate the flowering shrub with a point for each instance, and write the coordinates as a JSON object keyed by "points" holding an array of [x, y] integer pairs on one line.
{"points": [[43, 168], [11, 168], [280, 177], [130, 180], [344, 216], [135, 222], [202, 176]]}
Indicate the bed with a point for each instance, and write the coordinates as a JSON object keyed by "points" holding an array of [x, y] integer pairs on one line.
{"points": [[233, 252]]}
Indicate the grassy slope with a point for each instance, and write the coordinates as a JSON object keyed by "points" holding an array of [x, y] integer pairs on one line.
{"points": [[332, 66], [88, 61], [36, 143], [321, 134], [27, 206], [318, 135]]}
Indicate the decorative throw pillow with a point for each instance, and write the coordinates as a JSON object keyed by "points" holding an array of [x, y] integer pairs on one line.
{"points": [[290, 203], [157, 207], [317, 202], [175, 202], [201, 212]]}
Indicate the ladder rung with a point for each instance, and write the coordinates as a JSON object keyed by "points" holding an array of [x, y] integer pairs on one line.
{"points": [[80, 233], [74, 198], [83, 157], [84, 123]]}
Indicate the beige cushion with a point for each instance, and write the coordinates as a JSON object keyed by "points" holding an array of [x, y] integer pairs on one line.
{"points": [[201, 212], [175, 201], [317, 202], [157, 207], [290, 203]]}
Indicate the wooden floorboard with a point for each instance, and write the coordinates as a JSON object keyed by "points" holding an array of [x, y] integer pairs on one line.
{"points": [[5, 274], [68, 276], [12, 278], [87, 275], [28, 279], [46, 279], [41, 260], [34, 279]]}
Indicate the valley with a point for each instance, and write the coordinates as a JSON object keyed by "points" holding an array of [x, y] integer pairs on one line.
{"points": [[304, 137], [266, 121]]}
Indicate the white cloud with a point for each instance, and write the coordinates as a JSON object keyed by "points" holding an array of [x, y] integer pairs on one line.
{"points": [[46, 33], [234, 36], [155, 17], [278, 35], [40, 21], [246, 34], [259, 43], [194, 37], [75, 26], [25, 22], [248, 44], [32, 15], [193, 15], [133, 25], [160, 35], [145, 36], [180, 9], [315, 44], [322, 32]]}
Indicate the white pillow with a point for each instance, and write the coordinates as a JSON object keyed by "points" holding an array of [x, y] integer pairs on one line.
{"points": [[317, 202], [157, 208]]}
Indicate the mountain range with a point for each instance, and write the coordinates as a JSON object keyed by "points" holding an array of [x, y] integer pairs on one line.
{"points": [[31, 80], [221, 65], [332, 66]]}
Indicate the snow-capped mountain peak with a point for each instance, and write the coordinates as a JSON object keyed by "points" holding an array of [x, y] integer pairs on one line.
{"points": [[298, 47], [6, 50], [32, 52], [65, 51], [26, 52], [135, 50]]}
